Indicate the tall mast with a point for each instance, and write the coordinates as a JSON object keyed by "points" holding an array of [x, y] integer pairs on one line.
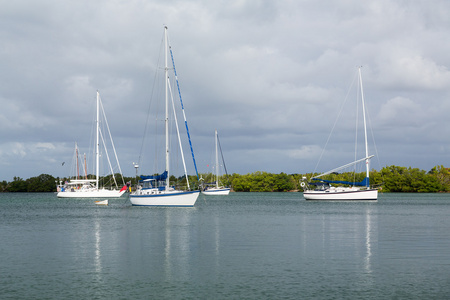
{"points": [[166, 75], [97, 154], [365, 127], [217, 161]]}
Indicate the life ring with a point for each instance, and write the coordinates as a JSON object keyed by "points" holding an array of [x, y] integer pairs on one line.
{"points": [[302, 184]]}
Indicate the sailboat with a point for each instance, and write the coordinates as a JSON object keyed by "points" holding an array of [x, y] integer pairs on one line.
{"points": [[353, 190], [156, 190], [89, 188], [216, 189]]}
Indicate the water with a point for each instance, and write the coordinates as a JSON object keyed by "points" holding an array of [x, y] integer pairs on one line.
{"points": [[244, 246]]}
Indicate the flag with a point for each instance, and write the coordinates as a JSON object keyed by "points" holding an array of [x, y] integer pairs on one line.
{"points": [[123, 188]]}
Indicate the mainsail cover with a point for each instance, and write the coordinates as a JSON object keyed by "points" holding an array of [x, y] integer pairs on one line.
{"points": [[365, 182], [162, 176]]}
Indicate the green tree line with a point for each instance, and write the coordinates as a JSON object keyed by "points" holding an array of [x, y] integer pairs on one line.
{"points": [[388, 179]]}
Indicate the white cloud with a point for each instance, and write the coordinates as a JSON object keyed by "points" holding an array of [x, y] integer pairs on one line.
{"points": [[400, 111], [306, 152], [408, 70]]}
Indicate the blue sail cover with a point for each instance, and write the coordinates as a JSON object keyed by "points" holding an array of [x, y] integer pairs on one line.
{"points": [[365, 182], [162, 176]]}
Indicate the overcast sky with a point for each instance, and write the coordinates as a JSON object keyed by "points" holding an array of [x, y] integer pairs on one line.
{"points": [[271, 76]]}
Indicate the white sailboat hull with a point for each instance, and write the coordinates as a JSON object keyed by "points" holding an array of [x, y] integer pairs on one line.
{"points": [[342, 195], [216, 191], [102, 193], [163, 198]]}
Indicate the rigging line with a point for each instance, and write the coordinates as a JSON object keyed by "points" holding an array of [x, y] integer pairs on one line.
{"points": [[334, 125], [178, 133], [149, 106], [112, 142], [158, 145], [221, 153], [107, 158], [211, 159], [373, 140], [182, 108], [92, 140], [356, 128], [344, 166], [72, 169]]}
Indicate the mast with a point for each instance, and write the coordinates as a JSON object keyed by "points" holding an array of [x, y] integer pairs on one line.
{"points": [[85, 167], [365, 127], [217, 161], [97, 154], [166, 75], [76, 153]]}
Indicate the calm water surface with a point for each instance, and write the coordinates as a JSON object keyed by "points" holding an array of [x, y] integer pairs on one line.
{"points": [[244, 246]]}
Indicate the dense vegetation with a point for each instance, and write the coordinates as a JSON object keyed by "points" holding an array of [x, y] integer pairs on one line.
{"points": [[389, 179], [46, 183]]}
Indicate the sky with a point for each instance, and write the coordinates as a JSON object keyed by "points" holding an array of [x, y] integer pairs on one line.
{"points": [[270, 76]]}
